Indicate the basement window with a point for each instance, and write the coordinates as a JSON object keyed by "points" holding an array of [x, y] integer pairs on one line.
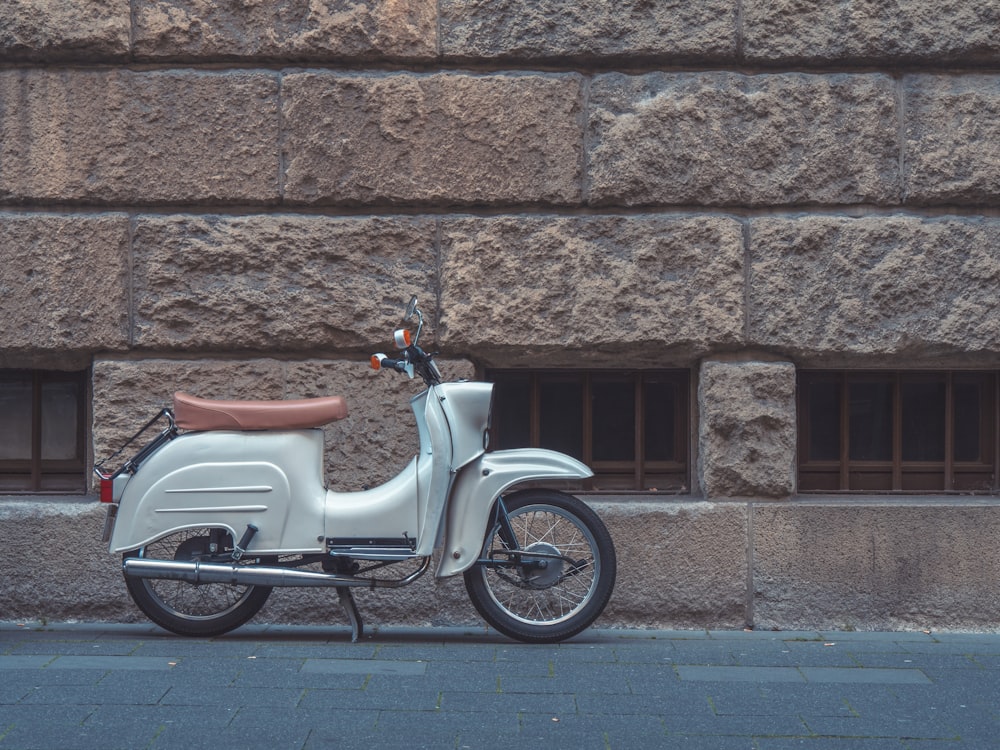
{"points": [[907, 432], [42, 431], [630, 428]]}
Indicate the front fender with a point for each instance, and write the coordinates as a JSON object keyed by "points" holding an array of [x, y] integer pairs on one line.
{"points": [[477, 487]]}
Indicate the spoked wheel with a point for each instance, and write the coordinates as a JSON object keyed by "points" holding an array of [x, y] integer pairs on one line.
{"points": [[204, 609], [561, 580]]}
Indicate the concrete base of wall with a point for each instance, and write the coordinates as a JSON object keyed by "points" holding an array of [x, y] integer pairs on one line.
{"points": [[860, 563]]}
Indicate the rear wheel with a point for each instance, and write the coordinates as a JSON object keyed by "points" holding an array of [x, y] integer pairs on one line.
{"points": [[561, 580], [203, 609]]}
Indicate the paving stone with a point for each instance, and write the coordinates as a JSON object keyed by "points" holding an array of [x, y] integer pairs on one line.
{"points": [[858, 674], [581, 703]]}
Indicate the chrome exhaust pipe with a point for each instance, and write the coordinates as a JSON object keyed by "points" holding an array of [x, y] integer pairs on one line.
{"points": [[254, 575]]}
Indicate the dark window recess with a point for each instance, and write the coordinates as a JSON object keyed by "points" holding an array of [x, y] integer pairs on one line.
{"points": [[898, 431], [630, 428], [42, 431]]}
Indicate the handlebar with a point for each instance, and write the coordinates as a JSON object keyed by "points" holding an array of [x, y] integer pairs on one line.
{"points": [[414, 360], [381, 362]]}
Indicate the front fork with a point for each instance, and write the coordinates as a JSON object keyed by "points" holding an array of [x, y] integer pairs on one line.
{"points": [[511, 556], [531, 562]]}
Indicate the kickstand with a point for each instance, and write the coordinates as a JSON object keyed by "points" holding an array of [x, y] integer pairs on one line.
{"points": [[347, 602]]}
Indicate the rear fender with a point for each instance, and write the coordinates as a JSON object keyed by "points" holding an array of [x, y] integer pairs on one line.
{"points": [[229, 480], [476, 489]]}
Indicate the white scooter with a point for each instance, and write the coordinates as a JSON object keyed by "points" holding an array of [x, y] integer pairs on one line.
{"points": [[228, 501]]}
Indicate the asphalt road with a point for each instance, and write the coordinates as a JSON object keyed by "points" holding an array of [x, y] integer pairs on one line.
{"points": [[68, 686]]}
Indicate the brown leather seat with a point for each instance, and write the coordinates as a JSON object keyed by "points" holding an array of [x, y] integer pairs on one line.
{"points": [[193, 413]]}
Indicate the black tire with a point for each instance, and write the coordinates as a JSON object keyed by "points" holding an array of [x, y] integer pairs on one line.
{"points": [[204, 609], [547, 604]]}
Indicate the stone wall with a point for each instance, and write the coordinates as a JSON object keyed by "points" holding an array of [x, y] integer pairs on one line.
{"points": [[236, 199]]}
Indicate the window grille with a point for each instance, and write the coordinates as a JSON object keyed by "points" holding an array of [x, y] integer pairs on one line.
{"points": [[630, 428], [42, 431], [898, 431]]}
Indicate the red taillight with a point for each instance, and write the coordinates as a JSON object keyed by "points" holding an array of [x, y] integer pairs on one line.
{"points": [[107, 491]]}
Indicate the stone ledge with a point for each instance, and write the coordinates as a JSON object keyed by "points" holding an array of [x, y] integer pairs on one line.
{"points": [[879, 566]]}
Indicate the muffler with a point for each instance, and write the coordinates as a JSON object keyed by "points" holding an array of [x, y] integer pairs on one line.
{"points": [[254, 575]]}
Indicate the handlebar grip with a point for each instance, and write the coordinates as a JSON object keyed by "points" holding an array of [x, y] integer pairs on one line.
{"points": [[380, 362]]}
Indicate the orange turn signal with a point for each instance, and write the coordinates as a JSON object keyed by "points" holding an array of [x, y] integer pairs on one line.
{"points": [[376, 362], [403, 338]]}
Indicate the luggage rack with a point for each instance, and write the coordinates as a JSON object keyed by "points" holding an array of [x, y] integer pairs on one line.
{"points": [[130, 467]]}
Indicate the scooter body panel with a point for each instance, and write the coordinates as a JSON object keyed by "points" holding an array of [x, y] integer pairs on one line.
{"points": [[383, 513], [224, 479], [478, 486]]}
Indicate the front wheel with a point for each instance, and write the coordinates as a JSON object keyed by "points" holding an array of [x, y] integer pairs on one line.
{"points": [[554, 578], [203, 609]]}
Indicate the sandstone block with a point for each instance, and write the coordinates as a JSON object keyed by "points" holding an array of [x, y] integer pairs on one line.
{"points": [[50, 30], [747, 430], [953, 139], [462, 139], [119, 136], [79, 580], [875, 286], [728, 138], [63, 284], [873, 31], [286, 29], [277, 283], [653, 289], [679, 564], [704, 29], [854, 565]]}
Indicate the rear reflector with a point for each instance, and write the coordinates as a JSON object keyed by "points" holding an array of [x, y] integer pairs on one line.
{"points": [[107, 491]]}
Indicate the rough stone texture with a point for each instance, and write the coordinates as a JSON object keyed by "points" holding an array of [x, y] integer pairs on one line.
{"points": [[560, 29], [286, 29], [416, 139], [376, 440], [815, 566], [586, 288], [651, 218], [747, 429], [50, 30], [105, 136], [63, 572], [680, 565], [841, 31], [953, 138], [891, 285], [890, 566], [277, 283], [727, 138], [63, 285]]}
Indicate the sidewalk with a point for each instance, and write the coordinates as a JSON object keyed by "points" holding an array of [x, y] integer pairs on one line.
{"points": [[91, 686]]}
